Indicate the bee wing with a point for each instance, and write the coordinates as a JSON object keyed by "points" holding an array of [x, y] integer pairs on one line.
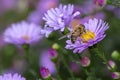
{"points": [[63, 37]]}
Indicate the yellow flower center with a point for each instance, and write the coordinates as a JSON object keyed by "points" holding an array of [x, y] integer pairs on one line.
{"points": [[88, 35], [26, 37]]}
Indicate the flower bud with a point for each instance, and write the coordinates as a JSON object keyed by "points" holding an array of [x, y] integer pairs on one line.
{"points": [[115, 75], [66, 31], [45, 73], [115, 55], [111, 65], [55, 46], [53, 54], [100, 2], [85, 61]]}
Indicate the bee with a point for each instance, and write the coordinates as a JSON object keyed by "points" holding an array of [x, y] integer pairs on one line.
{"points": [[77, 31]]}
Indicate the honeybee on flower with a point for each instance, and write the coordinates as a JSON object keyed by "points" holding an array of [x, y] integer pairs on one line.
{"points": [[75, 33], [87, 35]]}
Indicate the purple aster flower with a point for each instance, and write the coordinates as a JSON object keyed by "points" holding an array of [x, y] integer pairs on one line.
{"points": [[94, 32], [22, 33], [59, 18], [11, 77]]}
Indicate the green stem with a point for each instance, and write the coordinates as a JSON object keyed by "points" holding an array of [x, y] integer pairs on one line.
{"points": [[65, 63], [58, 76], [85, 69], [26, 49], [50, 78]]}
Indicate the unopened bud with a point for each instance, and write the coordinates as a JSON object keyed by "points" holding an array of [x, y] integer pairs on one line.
{"points": [[85, 61], [115, 55], [45, 73], [55, 46], [66, 31], [53, 54], [111, 65], [115, 75]]}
